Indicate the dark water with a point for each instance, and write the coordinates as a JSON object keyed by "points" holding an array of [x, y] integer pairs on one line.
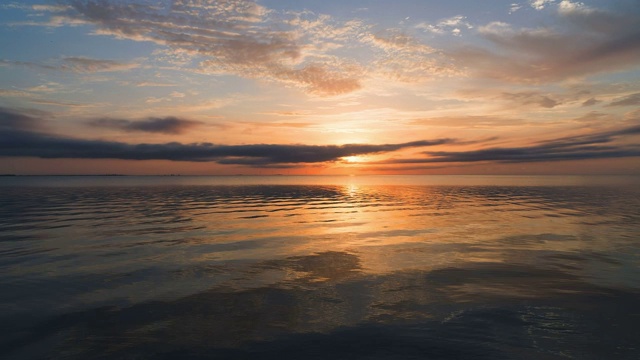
{"points": [[319, 268]]}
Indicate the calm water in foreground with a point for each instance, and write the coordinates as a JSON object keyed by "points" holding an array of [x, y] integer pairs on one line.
{"points": [[320, 267]]}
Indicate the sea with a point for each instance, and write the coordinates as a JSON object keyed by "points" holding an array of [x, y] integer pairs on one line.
{"points": [[320, 267]]}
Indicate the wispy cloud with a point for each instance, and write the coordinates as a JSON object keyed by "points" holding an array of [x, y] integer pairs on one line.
{"points": [[153, 84], [452, 25], [280, 124], [514, 7], [631, 100], [540, 4], [301, 49], [531, 98], [14, 93], [404, 58], [88, 65], [231, 37], [63, 103], [287, 113], [76, 64], [511, 98], [583, 42], [470, 121], [590, 102], [4, 62]]}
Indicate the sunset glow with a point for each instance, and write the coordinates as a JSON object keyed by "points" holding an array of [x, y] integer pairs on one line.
{"points": [[309, 87]]}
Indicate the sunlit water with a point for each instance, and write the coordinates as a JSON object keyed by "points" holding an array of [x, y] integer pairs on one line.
{"points": [[320, 267]]}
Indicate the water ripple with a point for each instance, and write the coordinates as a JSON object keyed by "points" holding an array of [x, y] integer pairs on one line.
{"points": [[488, 269]]}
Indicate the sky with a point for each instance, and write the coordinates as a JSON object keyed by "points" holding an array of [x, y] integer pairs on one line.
{"points": [[307, 87]]}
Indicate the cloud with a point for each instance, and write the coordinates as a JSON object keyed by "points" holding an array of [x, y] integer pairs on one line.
{"points": [[62, 103], [394, 39], [318, 79], [286, 113], [167, 125], [230, 37], [633, 116], [531, 98], [153, 84], [245, 39], [582, 42], [88, 65], [19, 120], [471, 121], [322, 32], [504, 96], [566, 6], [590, 102], [48, 7], [14, 93], [47, 88], [539, 4], [280, 124], [452, 25], [18, 140], [595, 117], [631, 100], [299, 49], [77, 65], [592, 146], [32, 92], [403, 58], [514, 7], [4, 62]]}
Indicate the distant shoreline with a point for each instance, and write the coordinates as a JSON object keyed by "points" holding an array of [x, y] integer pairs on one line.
{"points": [[299, 175]]}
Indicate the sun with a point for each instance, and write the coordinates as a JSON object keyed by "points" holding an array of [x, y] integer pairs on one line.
{"points": [[353, 159]]}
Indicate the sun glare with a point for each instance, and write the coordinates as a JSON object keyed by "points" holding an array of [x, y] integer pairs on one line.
{"points": [[353, 159]]}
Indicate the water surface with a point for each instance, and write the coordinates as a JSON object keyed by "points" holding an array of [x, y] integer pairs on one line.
{"points": [[319, 267]]}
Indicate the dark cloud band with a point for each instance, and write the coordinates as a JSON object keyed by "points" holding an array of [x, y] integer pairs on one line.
{"points": [[594, 146], [25, 143], [25, 140], [166, 125]]}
